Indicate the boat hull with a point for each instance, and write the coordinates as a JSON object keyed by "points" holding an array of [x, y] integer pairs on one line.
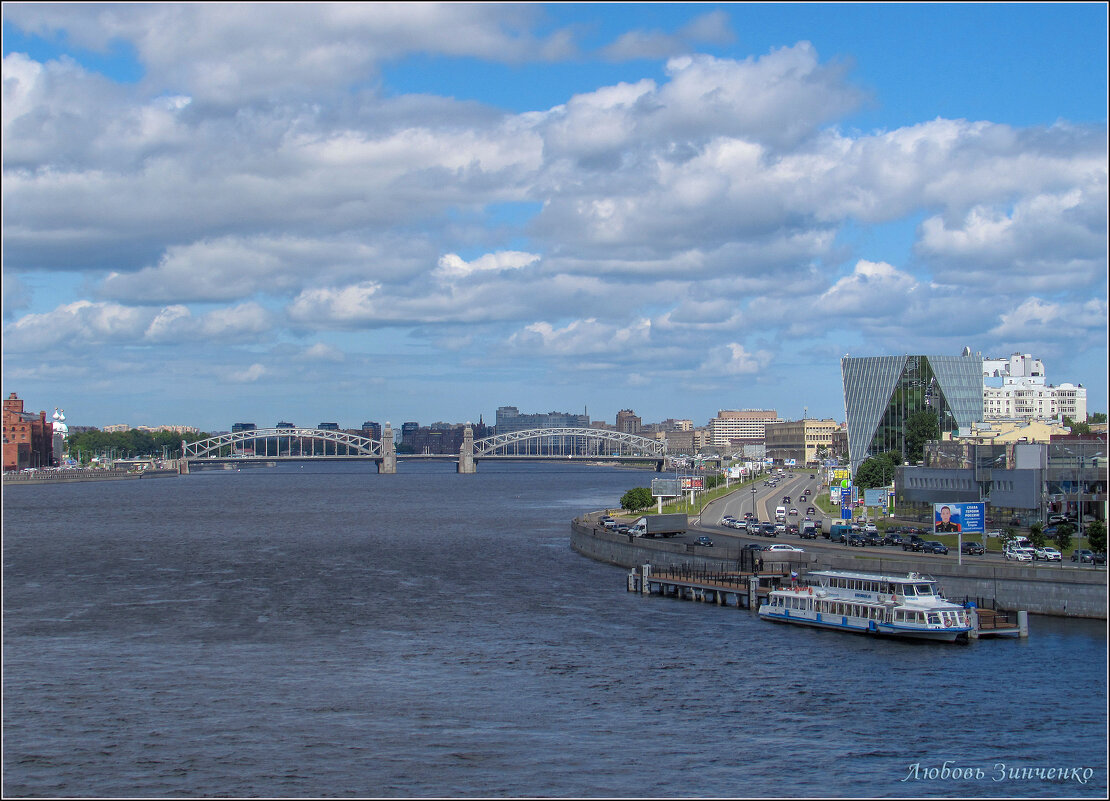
{"points": [[862, 626]]}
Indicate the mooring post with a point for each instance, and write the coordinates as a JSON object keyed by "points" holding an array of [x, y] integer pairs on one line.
{"points": [[753, 592], [645, 572], [1023, 623]]}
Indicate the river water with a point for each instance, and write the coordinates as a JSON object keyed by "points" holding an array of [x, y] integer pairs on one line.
{"points": [[322, 630]]}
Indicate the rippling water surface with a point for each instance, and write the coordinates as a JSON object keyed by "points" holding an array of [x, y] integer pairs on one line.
{"points": [[324, 630]]}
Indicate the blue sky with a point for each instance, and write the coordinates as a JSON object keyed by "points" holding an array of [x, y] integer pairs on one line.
{"points": [[351, 212]]}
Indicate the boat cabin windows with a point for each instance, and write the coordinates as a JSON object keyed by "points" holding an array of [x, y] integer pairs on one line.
{"points": [[907, 616]]}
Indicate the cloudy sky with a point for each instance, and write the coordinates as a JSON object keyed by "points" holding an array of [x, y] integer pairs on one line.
{"points": [[216, 213]]}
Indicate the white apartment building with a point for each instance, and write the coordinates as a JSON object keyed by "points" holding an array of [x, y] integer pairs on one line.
{"points": [[1016, 388], [740, 426]]}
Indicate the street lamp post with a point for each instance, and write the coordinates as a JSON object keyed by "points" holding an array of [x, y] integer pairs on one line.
{"points": [[1079, 498]]}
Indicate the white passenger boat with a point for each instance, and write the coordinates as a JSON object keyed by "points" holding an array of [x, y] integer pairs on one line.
{"points": [[869, 603]]}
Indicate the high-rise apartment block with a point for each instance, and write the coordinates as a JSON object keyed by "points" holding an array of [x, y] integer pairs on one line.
{"points": [[1016, 388], [736, 428]]}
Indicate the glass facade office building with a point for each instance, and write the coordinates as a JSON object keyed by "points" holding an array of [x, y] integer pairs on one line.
{"points": [[882, 392]]}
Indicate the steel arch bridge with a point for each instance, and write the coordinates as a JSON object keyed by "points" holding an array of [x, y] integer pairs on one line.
{"points": [[570, 442], [352, 445]]}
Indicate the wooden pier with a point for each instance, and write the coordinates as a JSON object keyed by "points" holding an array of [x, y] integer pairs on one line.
{"points": [[996, 623], [723, 588]]}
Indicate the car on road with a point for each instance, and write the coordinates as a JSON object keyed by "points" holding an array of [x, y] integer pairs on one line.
{"points": [[1020, 554], [780, 527], [752, 546], [704, 541], [811, 511], [793, 511], [1089, 557], [607, 522], [1047, 554], [873, 537], [973, 548], [856, 540], [808, 533], [892, 539], [784, 547], [870, 528], [812, 476], [932, 546], [914, 543], [785, 500], [792, 528], [767, 529]]}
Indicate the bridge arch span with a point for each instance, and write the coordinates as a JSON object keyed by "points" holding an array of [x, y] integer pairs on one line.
{"points": [[593, 443], [291, 438]]}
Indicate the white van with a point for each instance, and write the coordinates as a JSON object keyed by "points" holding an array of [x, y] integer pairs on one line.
{"points": [[780, 513]]}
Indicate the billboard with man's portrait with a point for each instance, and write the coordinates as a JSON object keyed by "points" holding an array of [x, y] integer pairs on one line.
{"points": [[952, 518]]}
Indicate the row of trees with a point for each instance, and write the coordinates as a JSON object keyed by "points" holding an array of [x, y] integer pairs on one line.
{"points": [[86, 445], [1095, 532]]}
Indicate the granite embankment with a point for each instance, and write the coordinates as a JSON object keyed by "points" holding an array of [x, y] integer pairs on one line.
{"points": [[1042, 589], [70, 476]]}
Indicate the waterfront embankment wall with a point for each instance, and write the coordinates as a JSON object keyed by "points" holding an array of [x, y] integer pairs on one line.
{"points": [[69, 476], [1042, 590]]}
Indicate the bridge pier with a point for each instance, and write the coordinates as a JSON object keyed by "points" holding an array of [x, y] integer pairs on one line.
{"points": [[466, 462], [388, 464]]}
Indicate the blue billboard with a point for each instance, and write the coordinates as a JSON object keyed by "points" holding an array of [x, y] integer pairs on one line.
{"points": [[950, 518], [875, 496]]}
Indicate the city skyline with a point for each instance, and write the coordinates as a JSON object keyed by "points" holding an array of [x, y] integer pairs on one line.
{"points": [[420, 212]]}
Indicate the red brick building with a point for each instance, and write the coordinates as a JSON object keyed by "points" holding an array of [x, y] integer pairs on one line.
{"points": [[28, 438]]}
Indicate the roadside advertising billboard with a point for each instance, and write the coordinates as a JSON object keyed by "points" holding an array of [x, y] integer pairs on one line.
{"points": [[664, 488], [968, 518], [692, 482], [874, 497]]}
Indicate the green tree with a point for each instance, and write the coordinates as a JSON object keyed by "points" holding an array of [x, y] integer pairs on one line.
{"points": [[878, 471], [1036, 535], [1076, 428], [636, 499], [1007, 537], [1096, 536], [1062, 537], [921, 427]]}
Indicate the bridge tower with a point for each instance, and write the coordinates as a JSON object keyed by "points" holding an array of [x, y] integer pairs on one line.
{"points": [[388, 464], [466, 452]]}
